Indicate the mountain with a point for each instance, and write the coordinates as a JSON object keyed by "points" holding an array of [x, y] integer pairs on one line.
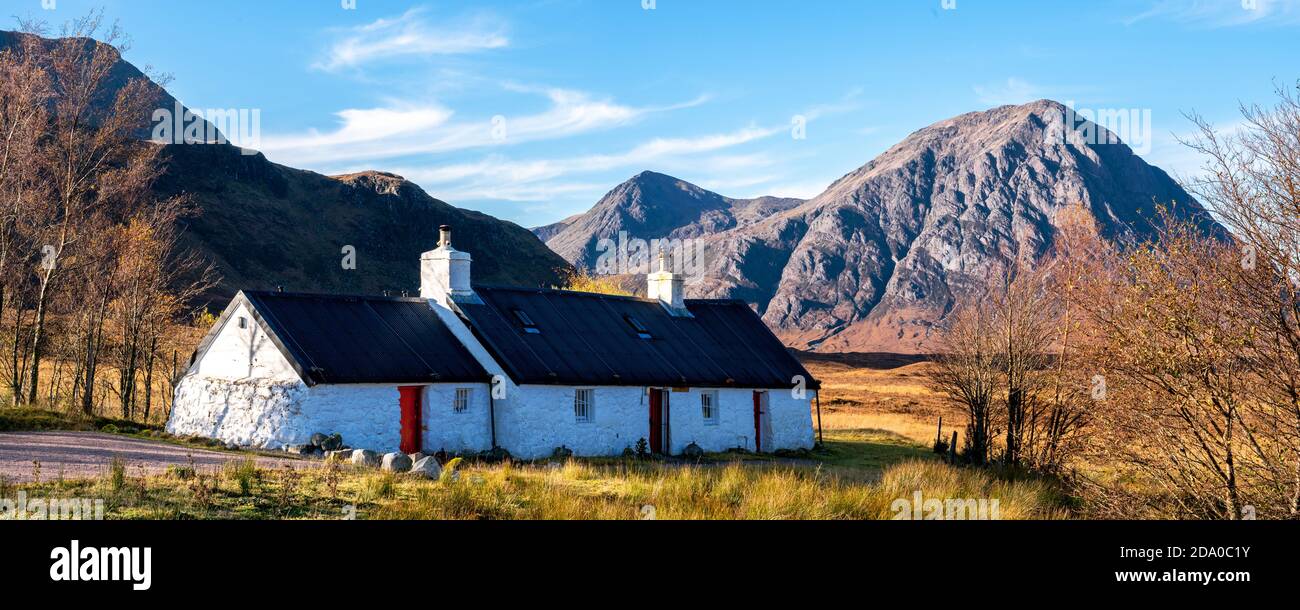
{"points": [[266, 225], [119, 75], [883, 255], [654, 206]]}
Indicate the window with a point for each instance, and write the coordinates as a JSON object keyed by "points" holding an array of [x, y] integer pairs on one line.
{"points": [[584, 405], [243, 322], [530, 327], [709, 407], [641, 330], [461, 404]]}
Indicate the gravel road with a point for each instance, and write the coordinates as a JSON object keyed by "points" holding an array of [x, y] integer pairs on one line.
{"points": [[83, 455]]}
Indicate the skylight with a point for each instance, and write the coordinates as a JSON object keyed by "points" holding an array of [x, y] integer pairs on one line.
{"points": [[641, 330], [530, 327]]}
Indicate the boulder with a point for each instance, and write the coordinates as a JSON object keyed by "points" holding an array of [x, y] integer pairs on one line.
{"points": [[365, 457], [333, 442], [338, 456], [693, 451], [397, 462], [300, 449], [318, 440], [428, 468], [415, 457]]}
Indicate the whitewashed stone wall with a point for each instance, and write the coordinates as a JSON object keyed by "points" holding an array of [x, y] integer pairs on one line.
{"points": [[445, 429], [538, 419], [250, 413]]}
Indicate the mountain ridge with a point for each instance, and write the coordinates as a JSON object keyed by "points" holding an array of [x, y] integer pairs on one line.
{"points": [[877, 261], [268, 226]]}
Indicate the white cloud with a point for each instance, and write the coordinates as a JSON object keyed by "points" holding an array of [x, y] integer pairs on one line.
{"points": [[1012, 91], [1222, 13], [408, 129], [498, 177], [410, 35]]}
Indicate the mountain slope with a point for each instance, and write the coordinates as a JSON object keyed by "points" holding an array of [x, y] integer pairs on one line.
{"points": [[883, 255], [266, 225], [654, 206], [876, 261]]}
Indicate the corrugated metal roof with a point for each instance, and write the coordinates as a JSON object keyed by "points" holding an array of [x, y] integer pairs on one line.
{"points": [[355, 340], [591, 339]]}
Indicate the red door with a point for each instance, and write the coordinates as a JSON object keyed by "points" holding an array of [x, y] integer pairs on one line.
{"points": [[758, 422], [411, 418], [656, 421]]}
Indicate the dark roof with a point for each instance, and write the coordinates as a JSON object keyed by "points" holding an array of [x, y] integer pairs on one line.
{"points": [[355, 340], [593, 339]]}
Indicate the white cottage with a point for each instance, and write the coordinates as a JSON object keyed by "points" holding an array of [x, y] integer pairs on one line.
{"points": [[468, 368]]}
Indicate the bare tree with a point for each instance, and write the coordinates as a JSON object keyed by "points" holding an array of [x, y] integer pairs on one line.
{"points": [[966, 371]]}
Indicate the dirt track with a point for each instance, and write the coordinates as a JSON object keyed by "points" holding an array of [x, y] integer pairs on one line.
{"points": [[84, 455]]}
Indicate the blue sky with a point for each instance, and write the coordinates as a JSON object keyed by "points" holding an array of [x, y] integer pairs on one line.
{"points": [[532, 110]]}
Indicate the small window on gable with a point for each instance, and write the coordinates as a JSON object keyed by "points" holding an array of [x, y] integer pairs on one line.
{"points": [[709, 407], [461, 403], [641, 330], [584, 405], [243, 322], [530, 327]]}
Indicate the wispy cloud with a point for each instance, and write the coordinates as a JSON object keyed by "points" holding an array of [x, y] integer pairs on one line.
{"points": [[411, 35], [1222, 13], [499, 177], [1012, 91], [408, 129]]}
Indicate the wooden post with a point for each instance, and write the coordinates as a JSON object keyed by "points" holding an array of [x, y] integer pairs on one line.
{"points": [[938, 437], [820, 439], [952, 449]]}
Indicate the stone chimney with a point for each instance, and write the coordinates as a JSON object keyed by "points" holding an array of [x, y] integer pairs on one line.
{"points": [[669, 289], [444, 273]]}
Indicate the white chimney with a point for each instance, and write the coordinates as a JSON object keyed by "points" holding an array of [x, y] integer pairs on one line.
{"points": [[669, 289], [444, 273]]}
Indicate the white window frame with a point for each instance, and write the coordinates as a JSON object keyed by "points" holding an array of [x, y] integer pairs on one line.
{"points": [[584, 405], [460, 401], [709, 412]]}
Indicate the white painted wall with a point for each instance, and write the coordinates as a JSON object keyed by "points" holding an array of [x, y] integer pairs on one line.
{"points": [[538, 419], [251, 413], [456, 432], [245, 353]]}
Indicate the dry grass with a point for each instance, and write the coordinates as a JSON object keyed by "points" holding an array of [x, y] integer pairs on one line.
{"points": [[572, 490]]}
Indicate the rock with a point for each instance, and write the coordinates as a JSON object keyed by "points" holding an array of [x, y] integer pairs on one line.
{"points": [[397, 462], [693, 452], [415, 457], [232, 446], [333, 442], [338, 456], [318, 440], [562, 453], [365, 457], [299, 449], [427, 468]]}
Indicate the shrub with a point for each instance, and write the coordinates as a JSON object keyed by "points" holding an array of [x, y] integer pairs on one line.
{"points": [[116, 474], [244, 473]]}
